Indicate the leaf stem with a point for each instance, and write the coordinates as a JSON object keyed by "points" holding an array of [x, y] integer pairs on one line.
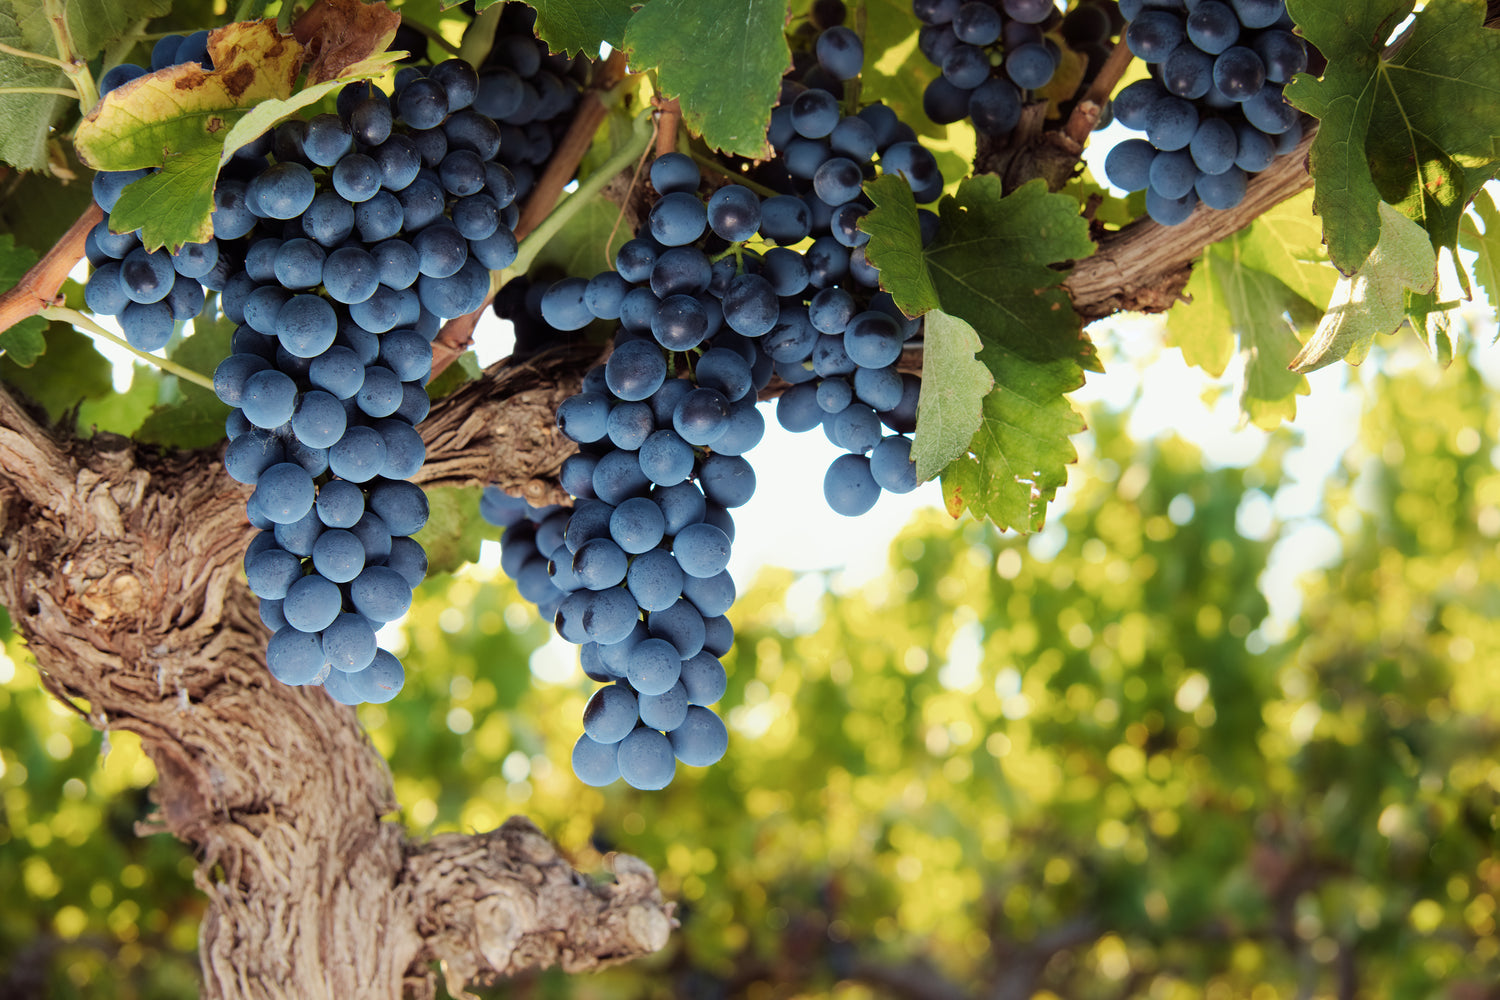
{"points": [[640, 138], [23, 54], [736, 176], [432, 35], [479, 37], [76, 68], [78, 319], [59, 91]]}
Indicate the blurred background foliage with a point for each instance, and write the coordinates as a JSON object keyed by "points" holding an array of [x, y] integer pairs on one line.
{"points": [[1078, 766]]}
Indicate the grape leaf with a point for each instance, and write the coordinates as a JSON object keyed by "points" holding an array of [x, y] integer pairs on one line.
{"points": [[1432, 321], [339, 35], [1258, 305], [180, 117], [452, 533], [722, 59], [70, 372], [25, 119], [1239, 298], [954, 384], [990, 265], [1372, 301], [121, 412], [24, 341], [579, 26], [1286, 242], [1417, 130], [1486, 245]]}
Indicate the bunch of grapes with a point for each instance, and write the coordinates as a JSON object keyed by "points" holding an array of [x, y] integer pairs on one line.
{"points": [[1212, 109], [371, 226], [711, 302], [994, 52]]}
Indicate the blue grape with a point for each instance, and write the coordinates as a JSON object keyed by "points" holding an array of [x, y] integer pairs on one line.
{"points": [[655, 580], [849, 487], [1222, 191], [295, 657], [646, 760], [610, 714], [595, 763], [700, 740]]}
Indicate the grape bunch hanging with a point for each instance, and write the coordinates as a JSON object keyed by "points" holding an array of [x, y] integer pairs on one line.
{"points": [[341, 242], [711, 302], [1212, 109]]}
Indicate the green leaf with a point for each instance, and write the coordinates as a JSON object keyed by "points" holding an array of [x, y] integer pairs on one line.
{"points": [[1486, 245], [70, 372], [1258, 304], [954, 385], [579, 26], [1417, 131], [1201, 327], [1286, 242], [452, 533], [24, 342], [990, 266], [583, 246], [722, 59], [25, 119], [1432, 321], [1021, 451], [1372, 301], [197, 420], [1239, 298], [895, 71], [122, 412]]}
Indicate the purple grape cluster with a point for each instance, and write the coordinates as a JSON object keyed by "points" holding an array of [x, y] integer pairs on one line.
{"points": [[1212, 110]]}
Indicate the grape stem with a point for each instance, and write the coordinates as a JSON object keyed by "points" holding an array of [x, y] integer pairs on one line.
{"points": [[640, 140], [432, 36], [76, 69], [710, 163], [65, 314], [851, 87], [59, 91]]}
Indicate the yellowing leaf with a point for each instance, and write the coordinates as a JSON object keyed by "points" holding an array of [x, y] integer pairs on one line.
{"points": [[1373, 300]]}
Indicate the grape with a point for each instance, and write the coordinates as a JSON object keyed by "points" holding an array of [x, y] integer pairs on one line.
{"points": [[595, 763], [1259, 13], [841, 53], [701, 740], [1214, 146], [849, 487], [380, 594], [295, 657], [635, 370], [381, 681], [1239, 73], [1213, 26], [1171, 123], [680, 323], [703, 679], [1268, 111], [815, 112], [1170, 211], [610, 714], [891, 465], [646, 760], [678, 219], [702, 417], [312, 603], [977, 24], [1283, 54], [1128, 164], [284, 190], [664, 711], [1222, 191], [1188, 72], [637, 525], [995, 107], [1173, 174], [1134, 102], [655, 580], [674, 172]]}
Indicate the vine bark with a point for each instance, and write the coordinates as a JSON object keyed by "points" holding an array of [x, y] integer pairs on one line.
{"points": [[121, 568]]}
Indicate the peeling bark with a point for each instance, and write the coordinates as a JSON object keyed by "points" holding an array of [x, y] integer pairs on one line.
{"points": [[121, 567]]}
